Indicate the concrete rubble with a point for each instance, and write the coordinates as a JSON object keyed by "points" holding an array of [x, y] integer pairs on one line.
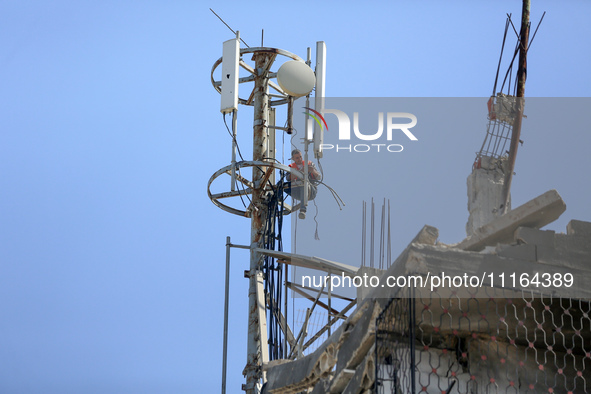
{"points": [[346, 362]]}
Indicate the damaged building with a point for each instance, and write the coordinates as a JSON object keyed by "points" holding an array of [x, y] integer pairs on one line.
{"points": [[484, 339]]}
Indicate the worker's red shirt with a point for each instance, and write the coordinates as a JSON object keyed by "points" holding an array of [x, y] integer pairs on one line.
{"points": [[311, 169]]}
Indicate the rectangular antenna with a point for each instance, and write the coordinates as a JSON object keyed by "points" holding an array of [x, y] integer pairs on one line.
{"points": [[230, 59], [319, 95]]}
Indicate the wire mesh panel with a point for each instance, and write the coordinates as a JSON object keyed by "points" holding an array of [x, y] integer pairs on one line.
{"points": [[489, 341], [395, 347], [315, 328]]}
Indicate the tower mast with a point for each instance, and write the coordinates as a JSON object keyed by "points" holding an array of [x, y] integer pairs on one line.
{"points": [[264, 195], [257, 351], [521, 77]]}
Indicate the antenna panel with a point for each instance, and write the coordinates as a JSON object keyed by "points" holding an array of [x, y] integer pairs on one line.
{"points": [[319, 96], [230, 59]]}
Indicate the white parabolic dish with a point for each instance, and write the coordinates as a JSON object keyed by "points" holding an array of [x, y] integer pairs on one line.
{"points": [[296, 78]]}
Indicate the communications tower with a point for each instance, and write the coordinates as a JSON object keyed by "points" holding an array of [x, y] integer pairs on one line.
{"points": [[270, 78]]}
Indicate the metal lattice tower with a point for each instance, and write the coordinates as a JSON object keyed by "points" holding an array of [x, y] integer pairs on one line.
{"points": [[257, 195]]}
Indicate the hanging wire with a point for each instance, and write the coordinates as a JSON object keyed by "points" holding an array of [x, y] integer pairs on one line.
{"points": [[274, 273], [233, 136], [321, 169], [316, 236], [338, 199], [293, 135], [240, 184]]}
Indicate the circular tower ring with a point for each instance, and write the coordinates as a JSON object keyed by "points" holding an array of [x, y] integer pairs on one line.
{"points": [[265, 185], [280, 96]]}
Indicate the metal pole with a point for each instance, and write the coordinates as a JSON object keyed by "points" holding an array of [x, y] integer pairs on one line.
{"points": [[290, 115], [304, 202], [521, 76], [329, 295], [257, 344], [411, 331], [286, 268], [226, 307], [234, 125]]}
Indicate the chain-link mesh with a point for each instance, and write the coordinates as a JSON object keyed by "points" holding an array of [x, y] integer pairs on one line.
{"points": [[393, 346], [494, 341]]}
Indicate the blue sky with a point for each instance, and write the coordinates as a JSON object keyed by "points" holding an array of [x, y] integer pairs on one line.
{"points": [[112, 256]]}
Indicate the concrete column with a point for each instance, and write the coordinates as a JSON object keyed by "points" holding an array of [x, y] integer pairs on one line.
{"points": [[485, 192]]}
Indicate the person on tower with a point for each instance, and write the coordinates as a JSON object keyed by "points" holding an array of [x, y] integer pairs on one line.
{"points": [[294, 186]]}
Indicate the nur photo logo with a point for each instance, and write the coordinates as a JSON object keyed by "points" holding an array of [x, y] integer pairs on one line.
{"points": [[390, 126]]}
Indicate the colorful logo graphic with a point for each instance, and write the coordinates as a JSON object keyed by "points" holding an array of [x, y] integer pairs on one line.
{"points": [[316, 118]]}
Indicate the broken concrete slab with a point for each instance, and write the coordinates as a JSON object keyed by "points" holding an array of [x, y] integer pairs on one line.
{"points": [[315, 370], [359, 339], [522, 252], [322, 386], [542, 241], [532, 236], [570, 251], [296, 376], [340, 381], [535, 213], [365, 375], [566, 250], [579, 228], [427, 236]]}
